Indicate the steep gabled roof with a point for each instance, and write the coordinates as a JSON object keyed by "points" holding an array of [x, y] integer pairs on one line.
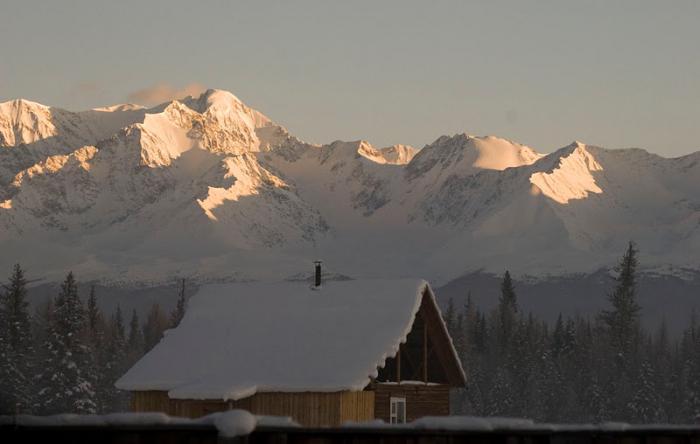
{"points": [[239, 339]]}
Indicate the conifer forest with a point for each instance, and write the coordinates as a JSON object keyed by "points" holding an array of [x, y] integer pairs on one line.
{"points": [[66, 354]]}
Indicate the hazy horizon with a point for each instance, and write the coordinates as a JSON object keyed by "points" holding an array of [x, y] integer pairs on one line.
{"points": [[623, 74]]}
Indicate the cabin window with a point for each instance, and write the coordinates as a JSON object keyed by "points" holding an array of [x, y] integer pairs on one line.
{"points": [[398, 410]]}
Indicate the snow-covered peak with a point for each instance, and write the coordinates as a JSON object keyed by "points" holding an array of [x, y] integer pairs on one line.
{"points": [[464, 154], [342, 151], [61, 131], [394, 155], [219, 98], [498, 154], [213, 177], [23, 122], [120, 107], [165, 136], [52, 164], [365, 149], [19, 105], [246, 128], [224, 106], [212, 98], [398, 154], [572, 178]]}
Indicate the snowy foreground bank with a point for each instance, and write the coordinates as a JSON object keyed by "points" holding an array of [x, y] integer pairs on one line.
{"points": [[236, 423]]}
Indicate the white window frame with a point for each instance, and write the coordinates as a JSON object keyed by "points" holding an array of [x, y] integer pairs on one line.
{"points": [[397, 410]]}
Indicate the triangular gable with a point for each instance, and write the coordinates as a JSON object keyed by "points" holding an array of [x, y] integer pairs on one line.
{"points": [[440, 340], [426, 353]]}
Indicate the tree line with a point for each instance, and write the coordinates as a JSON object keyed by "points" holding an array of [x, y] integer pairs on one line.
{"points": [[581, 369], [67, 355]]}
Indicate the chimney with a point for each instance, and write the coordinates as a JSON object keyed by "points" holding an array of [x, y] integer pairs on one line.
{"points": [[317, 278]]}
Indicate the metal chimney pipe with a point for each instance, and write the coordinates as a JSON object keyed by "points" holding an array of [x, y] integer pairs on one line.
{"points": [[317, 279]]}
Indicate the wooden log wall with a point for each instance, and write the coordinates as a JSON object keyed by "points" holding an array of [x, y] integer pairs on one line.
{"points": [[421, 400], [357, 406], [311, 409]]}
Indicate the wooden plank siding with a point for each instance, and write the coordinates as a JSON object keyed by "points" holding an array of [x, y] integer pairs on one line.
{"points": [[421, 400], [357, 406], [151, 401], [310, 409]]}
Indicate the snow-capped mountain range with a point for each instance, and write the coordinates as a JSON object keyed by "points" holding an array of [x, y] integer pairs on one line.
{"points": [[209, 188]]}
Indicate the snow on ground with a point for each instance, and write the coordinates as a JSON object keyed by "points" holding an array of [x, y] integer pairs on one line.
{"points": [[235, 423], [230, 423]]}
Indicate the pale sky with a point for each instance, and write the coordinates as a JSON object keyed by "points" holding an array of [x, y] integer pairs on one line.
{"points": [[543, 73]]}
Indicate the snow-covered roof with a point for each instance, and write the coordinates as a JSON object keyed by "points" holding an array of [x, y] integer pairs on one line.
{"points": [[239, 339]]}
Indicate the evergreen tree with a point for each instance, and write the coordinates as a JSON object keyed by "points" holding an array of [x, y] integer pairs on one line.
{"points": [[14, 307], [584, 371], [458, 335], [501, 396], [114, 364], [179, 312], [156, 324], [470, 324], [646, 402], [41, 320], [16, 347], [508, 297], [135, 346], [622, 320], [507, 311], [480, 333], [620, 326], [476, 363], [662, 362], [691, 368], [96, 342], [94, 317], [66, 382], [558, 337], [450, 316], [117, 330]]}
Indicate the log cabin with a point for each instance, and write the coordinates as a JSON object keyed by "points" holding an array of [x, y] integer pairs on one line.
{"points": [[344, 351]]}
